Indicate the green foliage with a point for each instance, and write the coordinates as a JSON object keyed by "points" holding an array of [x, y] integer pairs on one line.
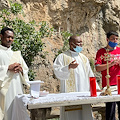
{"points": [[92, 64], [32, 75], [27, 35], [65, 37], [15, 8]]}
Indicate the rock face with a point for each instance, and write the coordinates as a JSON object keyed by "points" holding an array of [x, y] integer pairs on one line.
{"points": [[91, 19]]}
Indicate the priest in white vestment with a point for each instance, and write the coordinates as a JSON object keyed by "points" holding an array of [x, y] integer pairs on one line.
{"points": [[13, 74], [73, 70]]}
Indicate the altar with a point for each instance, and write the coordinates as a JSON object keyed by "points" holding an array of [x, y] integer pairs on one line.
{"points": [[64, 99]]}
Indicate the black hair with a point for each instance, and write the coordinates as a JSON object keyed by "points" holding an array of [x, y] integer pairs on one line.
{"points": [[112, 33], [5, 29]]}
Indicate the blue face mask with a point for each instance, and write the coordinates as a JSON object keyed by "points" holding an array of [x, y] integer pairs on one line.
{"points": [[78, 49], [112, 44]]}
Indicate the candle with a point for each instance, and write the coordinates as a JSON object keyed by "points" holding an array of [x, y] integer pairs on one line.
{"points": [[118, 83], [93, 86]]}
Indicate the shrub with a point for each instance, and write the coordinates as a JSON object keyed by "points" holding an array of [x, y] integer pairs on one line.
{"points": [[28, 36]]}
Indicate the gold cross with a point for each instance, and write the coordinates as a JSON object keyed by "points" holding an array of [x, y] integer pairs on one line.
{"points": [[107, 58]]}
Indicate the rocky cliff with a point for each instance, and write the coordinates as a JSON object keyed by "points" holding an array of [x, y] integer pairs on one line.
{"points": [[91, 19]]}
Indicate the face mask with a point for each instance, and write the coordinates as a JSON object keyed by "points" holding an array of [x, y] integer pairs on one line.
{"points": [[112, 44], [78, 49]]}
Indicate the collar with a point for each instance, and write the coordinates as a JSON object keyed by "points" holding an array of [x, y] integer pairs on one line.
{"points": [[5, 48], [72, 52]]}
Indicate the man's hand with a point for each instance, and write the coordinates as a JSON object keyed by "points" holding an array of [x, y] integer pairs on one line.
{"points": [[15, 67], [115, 62], [98, 90], [73, 64]]}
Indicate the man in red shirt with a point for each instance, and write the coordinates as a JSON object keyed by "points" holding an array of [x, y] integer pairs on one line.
{"points": [[114, 69]]}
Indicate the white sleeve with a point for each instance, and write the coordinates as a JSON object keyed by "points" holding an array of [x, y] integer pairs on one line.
{"points": [[24, 77], [97, 86], [91, 74], [62, 72], [3, 72]]}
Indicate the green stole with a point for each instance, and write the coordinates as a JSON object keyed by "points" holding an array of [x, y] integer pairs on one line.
{"points": [[70, 83]]}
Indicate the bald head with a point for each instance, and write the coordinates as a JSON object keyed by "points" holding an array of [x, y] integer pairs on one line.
{"points": [[74, 38], [75, 41]]}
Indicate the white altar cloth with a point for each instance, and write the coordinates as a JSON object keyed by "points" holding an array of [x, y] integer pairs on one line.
{"points": [[62, 99], [26, 98]]}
